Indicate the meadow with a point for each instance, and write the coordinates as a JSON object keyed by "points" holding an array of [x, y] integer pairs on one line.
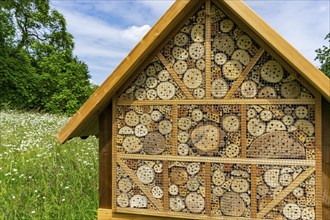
{"points": [[41, 179]]}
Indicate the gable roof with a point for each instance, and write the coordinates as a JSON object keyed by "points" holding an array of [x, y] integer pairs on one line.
{"points": [[85, 121]]}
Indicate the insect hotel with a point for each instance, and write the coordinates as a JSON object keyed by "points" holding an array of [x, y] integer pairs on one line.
{"points": [[213, 115]]}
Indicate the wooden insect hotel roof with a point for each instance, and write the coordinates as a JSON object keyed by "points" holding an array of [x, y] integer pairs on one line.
{"points": [[85, 121]]}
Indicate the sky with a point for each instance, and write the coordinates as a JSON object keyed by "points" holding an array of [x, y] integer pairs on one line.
{"points": [[105, 31]]}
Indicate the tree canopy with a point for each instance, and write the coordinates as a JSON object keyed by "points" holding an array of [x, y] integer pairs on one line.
{"points": [[323, 55], [37, 67]]}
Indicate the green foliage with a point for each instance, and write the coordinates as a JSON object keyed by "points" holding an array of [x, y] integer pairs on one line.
{"points": [[323, 55], [38, 68]]}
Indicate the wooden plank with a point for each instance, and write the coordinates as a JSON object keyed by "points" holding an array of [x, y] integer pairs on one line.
{"points": [[245, 72], [143, 188], [175, 130], [243, 131], [257, 25], [289, 162], [254, 191], [104, 214], [207, 188], [220, 102], [105, 165], [166, 185], [285, 192], [208, 49], [175, 76], [326, 158], [114, 152], [318, 156]]}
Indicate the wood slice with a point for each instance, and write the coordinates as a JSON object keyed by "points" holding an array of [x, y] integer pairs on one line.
{"points": [[275, 125], [301, 112], [292, 211], [231, 204], [206, 138], [151, 82], [262, 190], [272, 72], [151, 94], [125, 185], [197, 115], [180, 53], [271, 177], [232, 150], [145, 174], [226, 25], [183, 149], [140, 79], [157, 192], [224, 43], [288, 120], [308, 213], [154, 143], [237, 33], [267, 92], [279, 144], [199, 93], [266, 115], [256, 127], [181, 39], [219, 88], [193, 168], [232, 69], [180, 67], [230, 123], [196, 51], [242, 56], [158, 168], [193, 184], [179, 176], [285, 179], [195, 202], [183, 137], [165, 90], [163, 76], [184, 123], [138, 201], [150, 71], [218, 191], [240, 185], [126, 130], [244, 42], [193, 78], [218, 177], [132, 144], [165, 127], [220, 58], [249, 89], [177, 204], [246, 198], [158, 66], [298, 192], [141, 130], [140, 94], [290, 90], [251, 113], [145, 119], [305, 126], [197, 33], [123, 200], [156, 115], [200, 64], [173, 190]]}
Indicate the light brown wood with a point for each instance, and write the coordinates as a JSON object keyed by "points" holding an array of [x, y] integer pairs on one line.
{"points": [[165, 185], [175, 130], [219, 159], [143, 188], [105, 152], [175, 76], [208, 50], [104, 214], [208, 188], [245, 72], [253, 191], [326, 158], [303, 176], [113, 161], [243, 131], [220, 101]]}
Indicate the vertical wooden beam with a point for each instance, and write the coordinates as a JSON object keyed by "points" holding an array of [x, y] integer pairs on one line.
{"points": [[114, 151], [253, 191], [208, 50], [165, 186], [105, 164], [243, 131], [326, 158], [318, 155], [208, 188], [174, 130]]}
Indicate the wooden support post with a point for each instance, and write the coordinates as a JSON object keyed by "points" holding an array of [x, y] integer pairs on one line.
{"points": [[114, 151], [326, 158], [175, 130], [243, 131], [105, 164], [165, 186], [254, 191], [208, 50], [208, 188]]}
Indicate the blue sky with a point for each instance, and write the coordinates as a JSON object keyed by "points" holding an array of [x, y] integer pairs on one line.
{"points": [[105, 31]]}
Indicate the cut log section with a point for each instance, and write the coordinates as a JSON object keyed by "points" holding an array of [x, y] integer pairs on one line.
{"points": [[301, 112], [196, 51], [249, 89], [291, 90], [131, 119], [226, 25], [275, 125], [206, 138], [224, 43], [219, 88], [193, 78], [197, 115], [140, 94], [231, 204], [138, 201], [166, 90], [165, 127], [193, 168], [267, 92], [197, 33], [218, 177], [183, 149], [180, 67], [184, 123], [157, 192], [140, 130], [232, 150], [240, 185], [125, 185], [132, 144], [179, 176], [242, 56], [220, 58], [292, 211], [180, 53], [195, 202], [145, 174], [244, 42], [272, 72], [123, 200], [230, 123], [232, 69], [173, 190], [256, 127], [163, 76], [181, 39], [176, 204], [305, 126], [154, 143]]}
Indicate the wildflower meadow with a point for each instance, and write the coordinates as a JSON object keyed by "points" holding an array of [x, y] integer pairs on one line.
{"points": [[41, 179]]}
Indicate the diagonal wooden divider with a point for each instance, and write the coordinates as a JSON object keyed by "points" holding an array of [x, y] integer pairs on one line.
{"points": [[143, 188], [295, 183], [245, 72], [175, 76]]}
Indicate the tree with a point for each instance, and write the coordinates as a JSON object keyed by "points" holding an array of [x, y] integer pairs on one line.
{"points": [[323, 55], [38, 68]]}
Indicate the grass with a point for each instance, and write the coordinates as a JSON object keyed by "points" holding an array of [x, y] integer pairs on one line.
{"points": [[41, 179]]}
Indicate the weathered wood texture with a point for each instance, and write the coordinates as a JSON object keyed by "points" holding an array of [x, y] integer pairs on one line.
{"points": [[326, 158], [105, 153]]}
